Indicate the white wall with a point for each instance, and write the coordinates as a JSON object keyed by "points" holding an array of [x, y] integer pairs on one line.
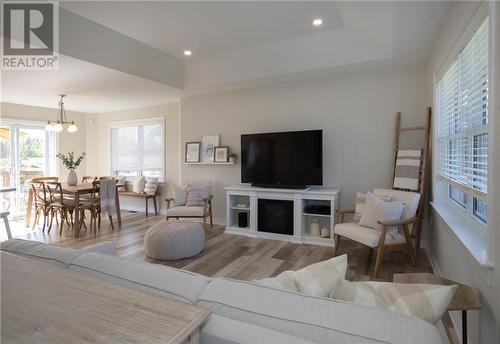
{"points": [[98, 145], [449, 255], [356, 112], [74, 142]]}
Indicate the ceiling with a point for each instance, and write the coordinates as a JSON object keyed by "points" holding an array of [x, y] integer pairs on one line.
{"points": [[233, 44], [208, 27], [90, 88]]}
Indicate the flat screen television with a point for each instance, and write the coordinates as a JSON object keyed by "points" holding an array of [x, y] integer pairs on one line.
{"points": [[291, 159]]}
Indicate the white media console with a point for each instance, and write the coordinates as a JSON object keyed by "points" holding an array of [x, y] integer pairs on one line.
{"points": [[245, 198]]}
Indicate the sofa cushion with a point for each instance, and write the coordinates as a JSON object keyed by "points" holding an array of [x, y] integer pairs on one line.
{"points": [[155, 278], [315, 319], [55, 255], [221, 330]]}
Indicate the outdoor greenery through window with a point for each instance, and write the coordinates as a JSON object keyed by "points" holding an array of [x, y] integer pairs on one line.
{"points": [[462, 136], [138, 149]]}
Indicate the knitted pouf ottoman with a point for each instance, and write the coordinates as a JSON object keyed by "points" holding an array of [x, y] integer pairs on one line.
{"points": [[174, 240]]}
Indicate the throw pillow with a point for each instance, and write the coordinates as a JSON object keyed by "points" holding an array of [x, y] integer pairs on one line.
{"points": [[180, 195], [426, 301], [377, 209], [319, 279], [196, 196], [316, 279], [138, 186], [360, 205], [151, 185], [285, 281]]}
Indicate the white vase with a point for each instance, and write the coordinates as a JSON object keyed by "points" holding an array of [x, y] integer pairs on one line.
{"points": [[72, 178], [315, 229], [325, 232]]}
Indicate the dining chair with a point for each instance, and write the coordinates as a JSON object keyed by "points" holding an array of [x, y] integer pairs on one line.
{"points": [[45, 179], [92, 205], [88, 179], [42, 203], [60, 205]]}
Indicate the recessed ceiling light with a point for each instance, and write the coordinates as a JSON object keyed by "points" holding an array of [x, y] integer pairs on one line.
{"points": [[318, 22], [187, 52]]}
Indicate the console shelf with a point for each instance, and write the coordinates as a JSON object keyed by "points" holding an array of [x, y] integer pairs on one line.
{"points": [[315, 198]]}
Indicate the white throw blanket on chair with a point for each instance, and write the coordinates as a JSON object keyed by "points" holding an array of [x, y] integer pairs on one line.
{"points": [[107, 193]]}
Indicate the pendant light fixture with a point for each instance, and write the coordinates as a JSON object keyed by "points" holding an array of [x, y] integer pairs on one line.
{"points": [[61, 121]]}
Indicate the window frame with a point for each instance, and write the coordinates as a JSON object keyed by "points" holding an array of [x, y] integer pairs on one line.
{"points": [[139, 123], [447, 183]]}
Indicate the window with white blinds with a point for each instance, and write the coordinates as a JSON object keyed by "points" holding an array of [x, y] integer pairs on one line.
{"points": [[138, 148], [462, 135]]}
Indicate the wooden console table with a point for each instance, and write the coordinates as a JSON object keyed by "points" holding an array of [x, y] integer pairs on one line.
{"points": [[47, 304], [465, 298]]}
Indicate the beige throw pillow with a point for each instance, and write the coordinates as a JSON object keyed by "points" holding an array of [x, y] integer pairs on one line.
{"points": [[285, 281], [377, 209], [138, 185], [151, 185], [426, 301], [360, 205], [319, 279], [179, 195], [316, 279]]}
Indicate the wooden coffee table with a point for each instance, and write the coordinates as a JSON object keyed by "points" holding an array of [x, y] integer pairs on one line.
{"points": [[42, 303], [465, 298]]}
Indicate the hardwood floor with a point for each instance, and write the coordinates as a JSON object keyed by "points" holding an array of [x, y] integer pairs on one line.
{"points": [[231, 255]]}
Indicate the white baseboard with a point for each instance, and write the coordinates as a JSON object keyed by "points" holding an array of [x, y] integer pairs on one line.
{"points": [[454, 316]]}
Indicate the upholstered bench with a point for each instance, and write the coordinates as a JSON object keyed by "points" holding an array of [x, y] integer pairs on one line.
{"points": [[174, 240]]}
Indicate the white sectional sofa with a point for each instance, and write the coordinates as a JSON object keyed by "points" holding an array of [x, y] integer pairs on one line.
{"points": [[242, 312]]}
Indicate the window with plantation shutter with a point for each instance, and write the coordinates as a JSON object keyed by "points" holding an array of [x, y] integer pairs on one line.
{"points": [[462, 133], [138, 148]]}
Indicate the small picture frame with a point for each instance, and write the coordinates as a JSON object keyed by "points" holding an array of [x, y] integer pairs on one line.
{"points": [[193, 150], [220, 154]]}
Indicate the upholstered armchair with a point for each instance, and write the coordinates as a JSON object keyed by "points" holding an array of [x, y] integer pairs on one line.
{"points": [[382, 241], [194, 200]]}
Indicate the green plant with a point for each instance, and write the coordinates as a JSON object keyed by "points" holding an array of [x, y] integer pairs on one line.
{"points": [[69, 161], [231, 155]]}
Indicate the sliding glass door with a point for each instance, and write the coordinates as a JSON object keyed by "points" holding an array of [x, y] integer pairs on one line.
{"points": [[27, 151]]}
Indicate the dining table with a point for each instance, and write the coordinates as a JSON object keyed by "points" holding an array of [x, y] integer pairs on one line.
{"points": [[75, 191]]}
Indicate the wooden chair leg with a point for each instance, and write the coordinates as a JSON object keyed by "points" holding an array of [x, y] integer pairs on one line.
{"points": [[409, 244], [154, 203], [51, 219], [146, 206], [380, 252], [378, 261], [111, 221], [44, 220], [36, 219], [337, 244], [62, 221]]}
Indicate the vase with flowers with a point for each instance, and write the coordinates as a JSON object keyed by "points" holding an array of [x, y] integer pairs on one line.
{"points": [[71, 164]]}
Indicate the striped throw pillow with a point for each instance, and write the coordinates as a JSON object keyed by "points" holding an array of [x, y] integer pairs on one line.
{"points": [[426, 301], [407, 172], [196, 196]]}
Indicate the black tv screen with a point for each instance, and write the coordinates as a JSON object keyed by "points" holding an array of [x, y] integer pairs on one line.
{"points": [[291, 159]]}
